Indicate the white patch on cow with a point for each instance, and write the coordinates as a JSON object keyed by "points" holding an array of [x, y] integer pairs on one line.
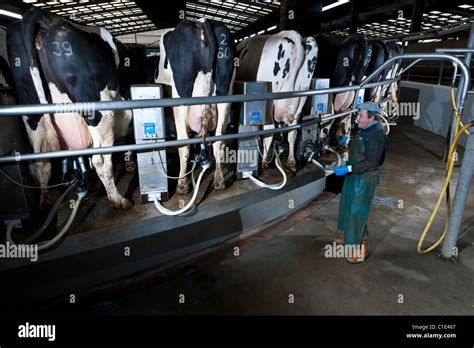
{"points": [[343, 101], [35, 75], [122, 120], [165, 76], [202, 88], [284, 80], [305, 74], [107, 37], [71, 127]]}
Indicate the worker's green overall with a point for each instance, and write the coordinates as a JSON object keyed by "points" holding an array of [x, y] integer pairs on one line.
{"points": [[356, 199]]}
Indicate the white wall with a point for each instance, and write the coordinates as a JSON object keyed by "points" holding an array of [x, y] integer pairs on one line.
{"points": [[436, 107]]}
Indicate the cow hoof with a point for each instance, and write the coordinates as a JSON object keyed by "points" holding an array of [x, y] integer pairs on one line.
{"points": [[291, 167], [182, 189], [124, 204], [219, 185]]}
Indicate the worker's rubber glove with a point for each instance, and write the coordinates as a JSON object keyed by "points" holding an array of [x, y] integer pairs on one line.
{"points": [[344, 139], [342, 170]]}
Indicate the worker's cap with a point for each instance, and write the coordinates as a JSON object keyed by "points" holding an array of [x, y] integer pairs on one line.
{"points": [[370, 106]]}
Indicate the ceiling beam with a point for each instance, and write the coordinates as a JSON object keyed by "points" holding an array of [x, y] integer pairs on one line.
{"points": [[417, 15]]}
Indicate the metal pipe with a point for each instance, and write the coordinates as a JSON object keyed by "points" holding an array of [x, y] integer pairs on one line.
{"points": [[20, 110], [408, 67], [467, 62], [455, 50], [342, 114], [171, 143], [440, 75], [153, 146], [427, 56], [449, 249]]}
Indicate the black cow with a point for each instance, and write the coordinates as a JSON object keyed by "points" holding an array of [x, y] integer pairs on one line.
{"points": [[56, 61], [197, 59]]}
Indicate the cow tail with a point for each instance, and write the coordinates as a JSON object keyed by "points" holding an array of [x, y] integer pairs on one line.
{"points": [[208, 60], [299, 50], [33, 20]]}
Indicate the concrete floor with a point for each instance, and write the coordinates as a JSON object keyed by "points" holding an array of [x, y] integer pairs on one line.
{"points": [[286, 261]]}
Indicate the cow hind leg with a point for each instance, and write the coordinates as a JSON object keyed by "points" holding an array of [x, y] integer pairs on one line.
{"points": [[267, 143], [291, 164], [41, 172], [102, 136], [218, 146], [43, 139], [180, 118]]}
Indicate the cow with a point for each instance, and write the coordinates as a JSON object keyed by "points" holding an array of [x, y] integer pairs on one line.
{"points": [[197, 60], [379, 56], [287, 61], [353, 56], [388, 92], [56, 61]]}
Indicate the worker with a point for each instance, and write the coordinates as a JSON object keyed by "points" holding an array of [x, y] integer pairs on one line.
{"points": [[367, 152]]}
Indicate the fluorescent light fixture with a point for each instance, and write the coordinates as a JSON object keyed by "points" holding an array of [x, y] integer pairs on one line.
{"points": [[464, 6], [261, 32], [271, 28], [335, 4], [10, 14]]}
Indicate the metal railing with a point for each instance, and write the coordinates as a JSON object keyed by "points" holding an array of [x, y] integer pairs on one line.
{"points": [[20, 110]]}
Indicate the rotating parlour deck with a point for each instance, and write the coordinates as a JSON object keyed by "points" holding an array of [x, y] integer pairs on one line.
{"points": [[94, 250]]}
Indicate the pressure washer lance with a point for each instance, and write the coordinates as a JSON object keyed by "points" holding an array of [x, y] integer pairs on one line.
{"points": [[203, 160]]}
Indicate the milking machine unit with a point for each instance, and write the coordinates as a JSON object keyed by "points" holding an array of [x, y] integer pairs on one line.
{"points": [[252, 115], [149, 127], [311, 144]]}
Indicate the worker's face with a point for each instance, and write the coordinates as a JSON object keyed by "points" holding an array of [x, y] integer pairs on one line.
{"points": [[363, 119]]}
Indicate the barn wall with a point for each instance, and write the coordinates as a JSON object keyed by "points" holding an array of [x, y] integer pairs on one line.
{"points": [[435, 106]]}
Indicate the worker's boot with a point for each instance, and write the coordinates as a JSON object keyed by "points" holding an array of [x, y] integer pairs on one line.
{"points": [[361, 255], [339, 238]]}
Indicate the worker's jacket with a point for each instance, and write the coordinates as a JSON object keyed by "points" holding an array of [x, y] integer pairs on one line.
{"points": [[372, 154]]}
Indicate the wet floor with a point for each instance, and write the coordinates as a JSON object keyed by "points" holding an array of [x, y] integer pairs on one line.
{"points": [[283, 269]]}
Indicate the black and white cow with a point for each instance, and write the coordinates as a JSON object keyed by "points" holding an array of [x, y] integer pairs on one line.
{"points": [[379, 56], [381, 52], [53, 60], [389, 91], [287, 61], [353, 56], [197, 60]]}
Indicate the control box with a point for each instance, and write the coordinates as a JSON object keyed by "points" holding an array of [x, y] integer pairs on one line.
{"points": [[149, 127]]}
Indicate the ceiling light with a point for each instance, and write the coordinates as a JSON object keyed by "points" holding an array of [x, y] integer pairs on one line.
{"points": [[335, 4], [10, 14]]}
